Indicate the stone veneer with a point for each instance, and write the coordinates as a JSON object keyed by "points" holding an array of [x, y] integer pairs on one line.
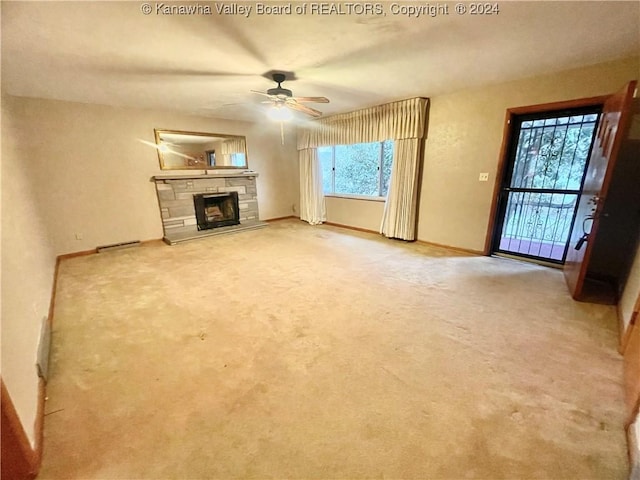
{"points": [[175, 196]]}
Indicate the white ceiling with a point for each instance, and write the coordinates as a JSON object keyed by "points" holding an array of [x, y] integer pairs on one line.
{"points": [[110, 53]]}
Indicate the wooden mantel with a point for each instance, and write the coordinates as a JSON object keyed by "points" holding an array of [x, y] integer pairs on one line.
{"points": [[205, 176]]}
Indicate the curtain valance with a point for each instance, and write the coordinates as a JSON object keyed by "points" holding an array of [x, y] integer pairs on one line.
{"points": [[396, 120]]}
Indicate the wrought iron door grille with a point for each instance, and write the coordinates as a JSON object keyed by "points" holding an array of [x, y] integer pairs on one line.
{"points": [[544, 180]]}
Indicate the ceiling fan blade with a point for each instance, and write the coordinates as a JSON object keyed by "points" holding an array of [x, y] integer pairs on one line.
{"points": [[224, 105], [262, 93], [303, 108], [312, 99]]}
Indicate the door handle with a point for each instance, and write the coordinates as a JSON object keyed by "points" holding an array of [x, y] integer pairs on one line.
{"points": [[584, 224], [585, 236], [583, 239]]}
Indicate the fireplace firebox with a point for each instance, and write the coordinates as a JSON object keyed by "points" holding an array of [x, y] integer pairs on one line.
{"points": [[216, 210]]}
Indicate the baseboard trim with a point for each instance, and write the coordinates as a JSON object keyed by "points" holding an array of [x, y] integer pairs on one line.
{"points": [[349, 227], [625, 336], [82, 253], [633, 443], [39, 426], [54, 290], [277, 219], [631, 419], [118, 246], [449, 247]]}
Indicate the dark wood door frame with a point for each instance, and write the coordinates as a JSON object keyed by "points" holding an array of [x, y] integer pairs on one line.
{"points": [[625, 335], [632, 389], [18, 461], [505, 148]]}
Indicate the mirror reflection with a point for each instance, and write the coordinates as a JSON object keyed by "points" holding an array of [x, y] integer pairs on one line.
{"points": [[179, 150]]}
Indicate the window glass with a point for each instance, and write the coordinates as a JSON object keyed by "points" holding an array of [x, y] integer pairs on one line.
{"points": [[358, 169], [238, 160], [387, 162]]}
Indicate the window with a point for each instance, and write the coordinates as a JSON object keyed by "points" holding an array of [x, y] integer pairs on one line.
{"points": [[238, 160], [358, 169], [211, 156]]}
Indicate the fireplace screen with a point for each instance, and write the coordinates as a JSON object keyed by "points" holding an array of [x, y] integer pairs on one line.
{"points": [[216, 210]]}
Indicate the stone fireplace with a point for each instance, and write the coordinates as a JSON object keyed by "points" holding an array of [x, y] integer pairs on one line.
{"points": [[193, 206]]}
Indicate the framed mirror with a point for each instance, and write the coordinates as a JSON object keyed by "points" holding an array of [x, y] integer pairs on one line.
{"points": [[180, 150]]}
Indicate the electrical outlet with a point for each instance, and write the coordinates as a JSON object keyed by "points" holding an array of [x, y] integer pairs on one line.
{"points": [[484, 177], [78, 236]]}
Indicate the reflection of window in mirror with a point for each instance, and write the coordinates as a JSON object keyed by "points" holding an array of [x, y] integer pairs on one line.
{"points": [[211, 158], [238, 160]]}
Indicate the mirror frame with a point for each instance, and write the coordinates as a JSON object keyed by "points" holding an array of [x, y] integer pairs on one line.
{"points": [[159, 131]]}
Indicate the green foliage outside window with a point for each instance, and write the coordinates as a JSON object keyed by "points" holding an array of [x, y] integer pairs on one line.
{"points": [[358, 169], [552, 153]]}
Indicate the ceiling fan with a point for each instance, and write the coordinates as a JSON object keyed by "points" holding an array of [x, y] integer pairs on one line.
{"points": [[283, 101]]}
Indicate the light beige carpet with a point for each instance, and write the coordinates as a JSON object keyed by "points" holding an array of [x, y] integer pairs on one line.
{"points": [[317, 352]]}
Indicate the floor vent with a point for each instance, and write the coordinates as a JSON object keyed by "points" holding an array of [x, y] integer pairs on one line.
{"points": [[118, 246]]}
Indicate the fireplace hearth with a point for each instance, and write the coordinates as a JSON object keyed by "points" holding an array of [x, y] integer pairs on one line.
{"points": [[215, 210]]}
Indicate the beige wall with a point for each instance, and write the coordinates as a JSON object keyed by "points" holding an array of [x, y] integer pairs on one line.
{"points": [[277, 164], [464, 138], [28, 263], [353, 212], [92, 172]]}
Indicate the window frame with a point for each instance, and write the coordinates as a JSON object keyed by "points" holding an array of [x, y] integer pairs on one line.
{"points": [[355, 196]]}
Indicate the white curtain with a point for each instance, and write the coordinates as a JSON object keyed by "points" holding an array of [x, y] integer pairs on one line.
{"points": [[399, 218], [312, 204], [229, 148], [233, 145], [404, 122]]}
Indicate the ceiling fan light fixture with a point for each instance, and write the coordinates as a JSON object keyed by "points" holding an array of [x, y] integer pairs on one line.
{"points": [[280, 113]]}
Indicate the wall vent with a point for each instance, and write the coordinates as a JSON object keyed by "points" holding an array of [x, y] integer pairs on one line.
{"points": [[118, 246]]}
